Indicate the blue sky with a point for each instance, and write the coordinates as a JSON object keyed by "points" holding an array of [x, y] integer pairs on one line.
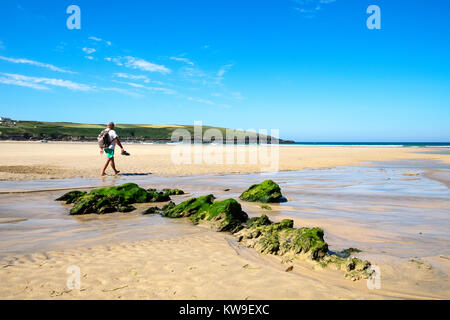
{"points": [[310, 68]]}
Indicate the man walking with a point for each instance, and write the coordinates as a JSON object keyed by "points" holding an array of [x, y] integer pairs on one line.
{"points": [[113, 138]]}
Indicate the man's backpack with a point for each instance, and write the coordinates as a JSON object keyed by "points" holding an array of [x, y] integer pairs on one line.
{"points": [[104, 139]]}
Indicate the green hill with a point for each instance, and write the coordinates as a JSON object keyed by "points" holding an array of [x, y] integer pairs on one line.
{"points": [[67, 131]]}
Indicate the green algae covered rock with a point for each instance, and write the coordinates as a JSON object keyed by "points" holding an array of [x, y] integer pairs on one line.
{"points": [[128, 193], [226, 215], [282, 238], [267, 192], [72, 196], [189, 207], [152, 210], [111, 199], [154, 196], [355, 268], [173, 192], [92, 204]]}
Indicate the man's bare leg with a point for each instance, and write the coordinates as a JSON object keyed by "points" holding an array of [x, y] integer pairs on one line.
{"points": [[113, 166], [105, 166]]}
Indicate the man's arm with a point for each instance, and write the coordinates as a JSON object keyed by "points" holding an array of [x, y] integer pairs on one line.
{"points": [[118, 143]]}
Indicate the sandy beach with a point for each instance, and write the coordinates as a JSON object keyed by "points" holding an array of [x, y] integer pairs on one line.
{"points": [[392, 203], [54, 160]]}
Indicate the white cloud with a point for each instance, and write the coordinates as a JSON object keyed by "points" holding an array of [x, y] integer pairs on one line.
{"points": [[309, 8], [34, 63], [89, 50], [132, 77], [224, 70], [89, 57], [131, 84], [96, 39], [22, 83], [200, 100], [161, 90], [40, 83], [189, 72], [154, 89], [185, 60], [140, 64], [123, 91]]}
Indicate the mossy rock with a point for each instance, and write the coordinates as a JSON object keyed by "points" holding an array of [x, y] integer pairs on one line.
{"points": [[168, 206], [154, 196], [111, 199], [173, 192], [226, 215], [129, 192], [72, 196], [189, 207], [125, 208], [152, 210], [355, 268], [266, 192], [90, 203], [282, 238], [259, 221]]}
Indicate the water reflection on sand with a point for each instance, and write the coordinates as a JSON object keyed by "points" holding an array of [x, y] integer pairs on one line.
{"points": [[398, 209]]}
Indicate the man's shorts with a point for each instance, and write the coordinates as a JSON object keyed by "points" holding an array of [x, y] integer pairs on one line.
{"points": [[109, 153]]}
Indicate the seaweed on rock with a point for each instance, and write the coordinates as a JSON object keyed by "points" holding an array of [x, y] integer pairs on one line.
{"points": [[111, 199], [283, 239], [266, 192], [226, 215]]}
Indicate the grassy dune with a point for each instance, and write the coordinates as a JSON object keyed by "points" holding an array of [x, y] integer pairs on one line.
{"points": [[24, 130]]}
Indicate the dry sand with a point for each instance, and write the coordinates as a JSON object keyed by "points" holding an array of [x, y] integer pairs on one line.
{"points": [[35, 160], [206, 265]]}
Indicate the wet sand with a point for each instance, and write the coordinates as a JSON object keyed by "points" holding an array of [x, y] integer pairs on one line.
{"points": [[395, 212]]}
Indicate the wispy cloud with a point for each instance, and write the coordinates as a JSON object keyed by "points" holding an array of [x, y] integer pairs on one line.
{"points": [[140, 64], [41, 83], [96, 39], [161, 90], [89, 50], [21, 83], [131, 84], [35, 63], [185, 60], [132, 77], [217, 80], [199, 100], [154, 89], [224, 69], [123, 91], [309, 8]]}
